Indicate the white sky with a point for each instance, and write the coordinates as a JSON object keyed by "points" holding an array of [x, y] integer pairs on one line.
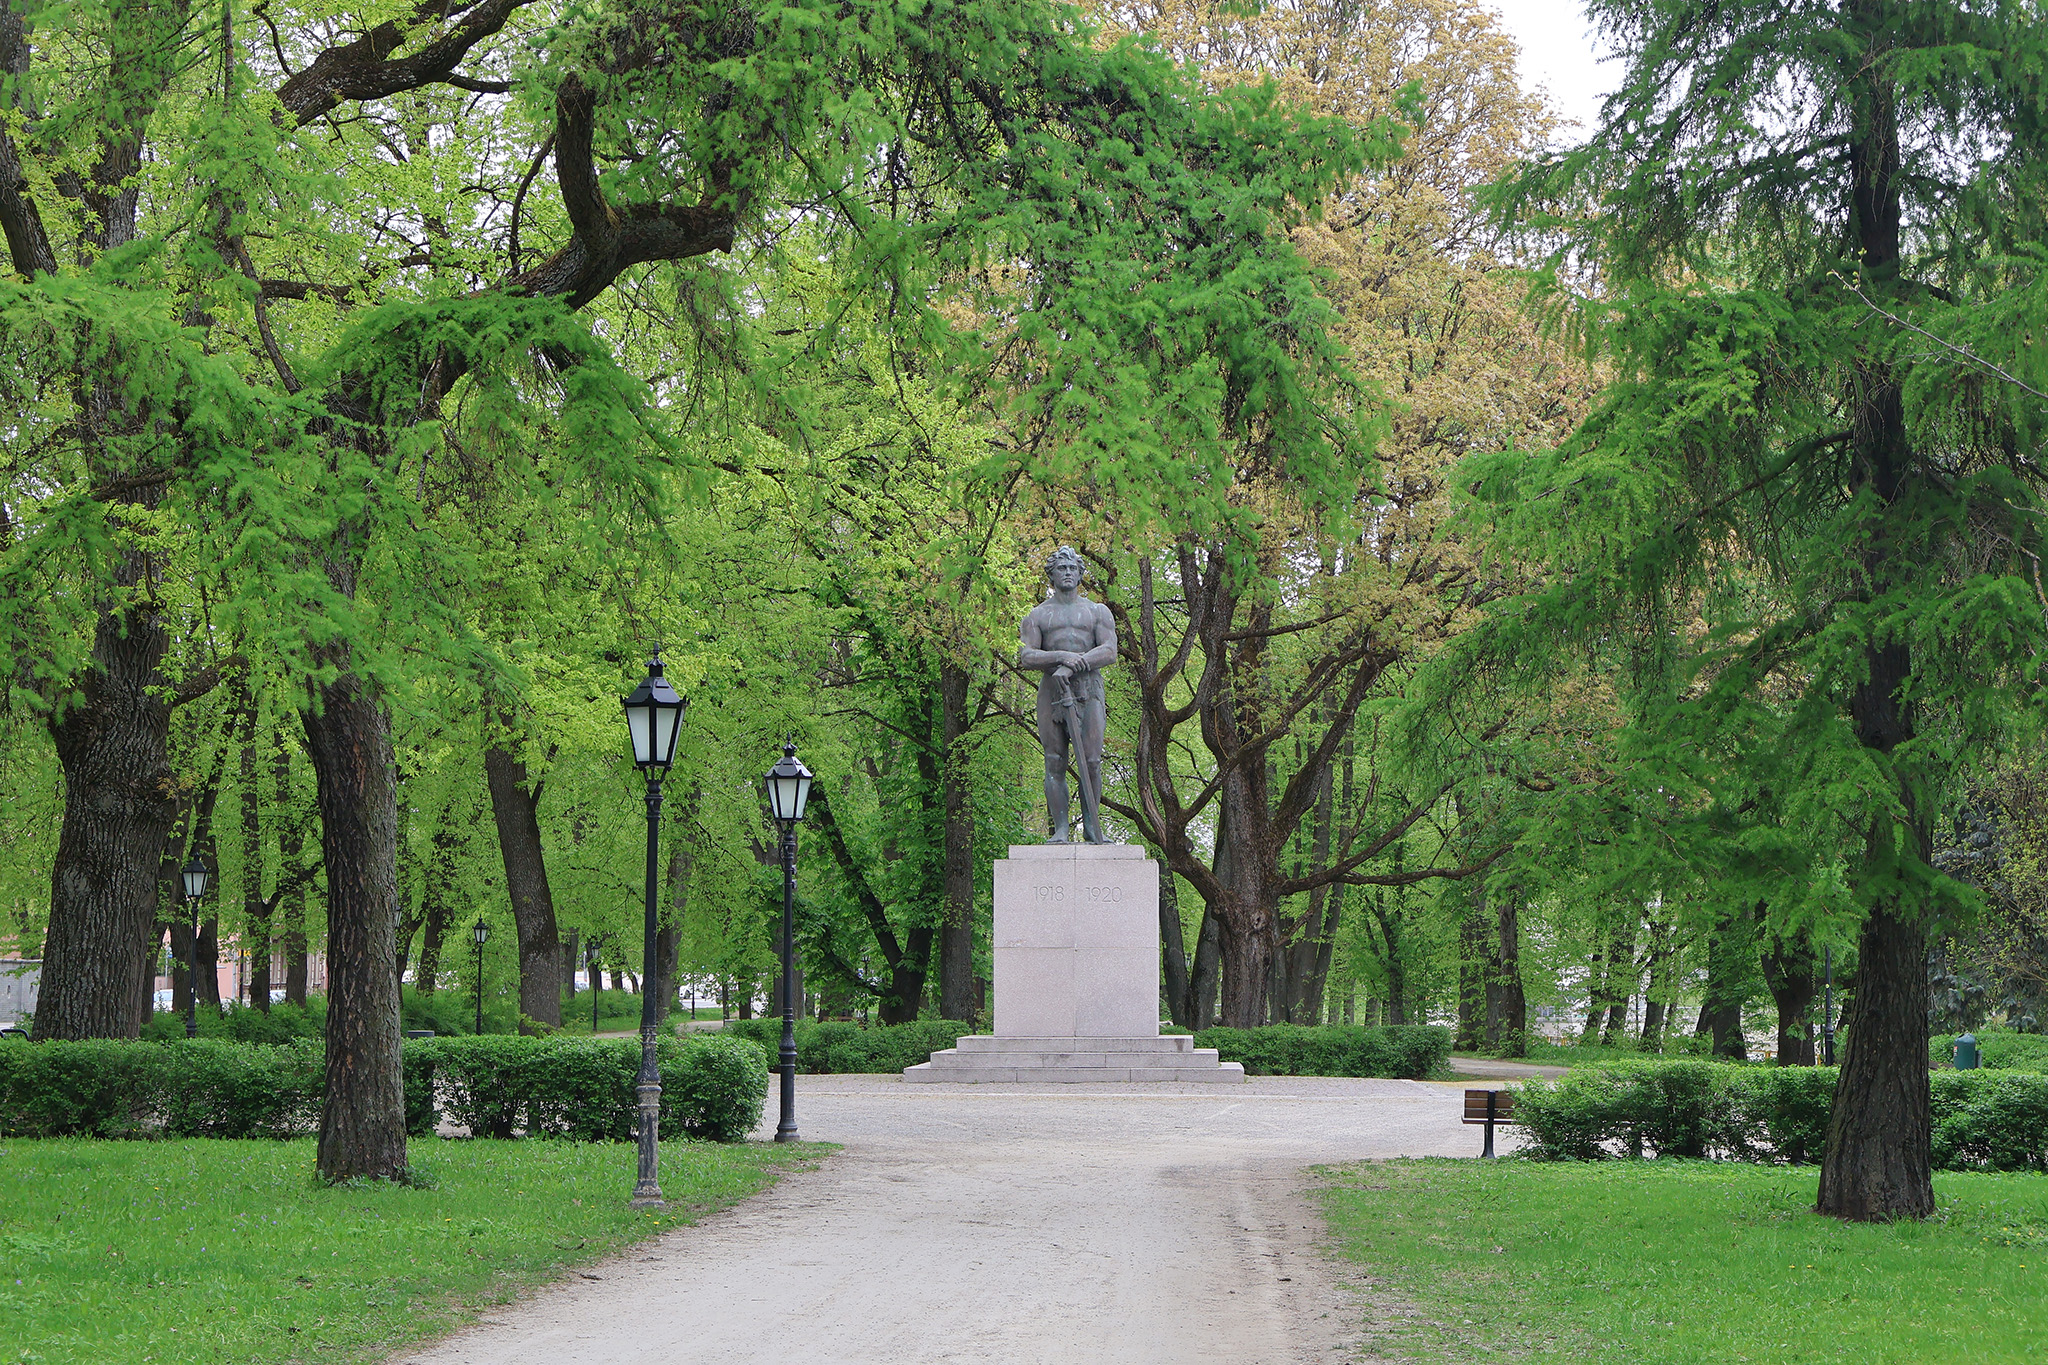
{"points": [[1559, 50]]}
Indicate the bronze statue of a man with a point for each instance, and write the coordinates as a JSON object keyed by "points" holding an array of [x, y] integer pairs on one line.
{"points": [[1069, 640]]}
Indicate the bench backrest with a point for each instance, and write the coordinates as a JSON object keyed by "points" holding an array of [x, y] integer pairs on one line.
{"points": [[1475, 1105]]}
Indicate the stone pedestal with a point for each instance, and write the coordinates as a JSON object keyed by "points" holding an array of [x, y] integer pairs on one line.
{"points": [[1076, 953]]}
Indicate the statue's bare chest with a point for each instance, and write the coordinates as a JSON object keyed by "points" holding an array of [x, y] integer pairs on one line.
{"points": [[1062, 627]]}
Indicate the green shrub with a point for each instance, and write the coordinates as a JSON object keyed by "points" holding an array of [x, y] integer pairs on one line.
{"points": [[1997, 1049], [92, 1088], [219, 1089], [835, 1048], [200, 1087], [1409, 1051], [502, 1085], [1983, 1120], [717, 1088], [1778, 1113], [1990, 1121], [239, 1023]]}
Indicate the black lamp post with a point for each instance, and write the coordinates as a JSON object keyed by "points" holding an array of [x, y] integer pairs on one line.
{"points": [[654, 715], [789, 791], [479, 934], [196, 875]]}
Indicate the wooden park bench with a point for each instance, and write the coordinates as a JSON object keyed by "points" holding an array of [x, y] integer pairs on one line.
{"points": [[1489, 1107]]}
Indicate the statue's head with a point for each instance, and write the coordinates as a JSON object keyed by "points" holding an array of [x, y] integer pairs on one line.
{"points": [[1059, 564]]}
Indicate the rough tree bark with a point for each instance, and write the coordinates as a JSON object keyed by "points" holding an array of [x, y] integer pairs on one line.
{"points": [[515, 806], [362, 1122]]}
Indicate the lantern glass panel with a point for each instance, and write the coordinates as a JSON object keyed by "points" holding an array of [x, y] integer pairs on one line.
{"points": [[665, 726], [640, 720], [195, 874]]}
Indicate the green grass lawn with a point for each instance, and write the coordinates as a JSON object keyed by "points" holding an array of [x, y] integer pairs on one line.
{"points": [[1649, 1263], [227, 1252]]}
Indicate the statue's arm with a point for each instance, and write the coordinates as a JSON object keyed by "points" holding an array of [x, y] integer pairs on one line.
{"points": [[1102, 653], [1031, 656]]}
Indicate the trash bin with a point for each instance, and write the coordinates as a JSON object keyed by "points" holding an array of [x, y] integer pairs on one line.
{"points": [[1966, 1052]]}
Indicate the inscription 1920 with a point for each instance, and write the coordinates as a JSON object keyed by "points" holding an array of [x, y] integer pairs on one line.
{"points": [[1094, 895]]}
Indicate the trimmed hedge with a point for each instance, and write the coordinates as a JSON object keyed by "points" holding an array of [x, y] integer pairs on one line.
{"points": [[1403, 1051], [833, 1048], [1410, 1051], [197, 1087], [1982, 1120], [500, 1086]]}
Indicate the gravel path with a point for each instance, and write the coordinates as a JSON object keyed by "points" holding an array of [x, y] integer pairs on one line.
{"points": [[1017, 1224]]}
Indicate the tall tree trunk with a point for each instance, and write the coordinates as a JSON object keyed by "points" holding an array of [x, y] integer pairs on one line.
{"points": [[437, 906], [1657, 971], [1789, 973], [1205, 976], [1173, 953], [291, 859], [668, 936], [956, 929], [1596, 997], [1475, 968], [1247, 923], [119, 804], [515, 807], [362, 1123], [1731, 958], [1507, 1005], [907, 958], [571, 955], [1878, 1163], [1392, 935], [295, 966], [1621, 982]]}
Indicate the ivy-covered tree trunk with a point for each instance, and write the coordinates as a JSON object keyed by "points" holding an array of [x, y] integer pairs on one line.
{"points": [[362, 1122], [515, 806]]}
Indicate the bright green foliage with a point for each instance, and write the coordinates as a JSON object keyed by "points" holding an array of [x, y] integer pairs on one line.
{"points": [[1801, 537], [1675, 1263], [120, 1253], [1715, 530]]}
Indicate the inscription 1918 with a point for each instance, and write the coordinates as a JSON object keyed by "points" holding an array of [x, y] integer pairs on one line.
{"points": [[1055, 892]]}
